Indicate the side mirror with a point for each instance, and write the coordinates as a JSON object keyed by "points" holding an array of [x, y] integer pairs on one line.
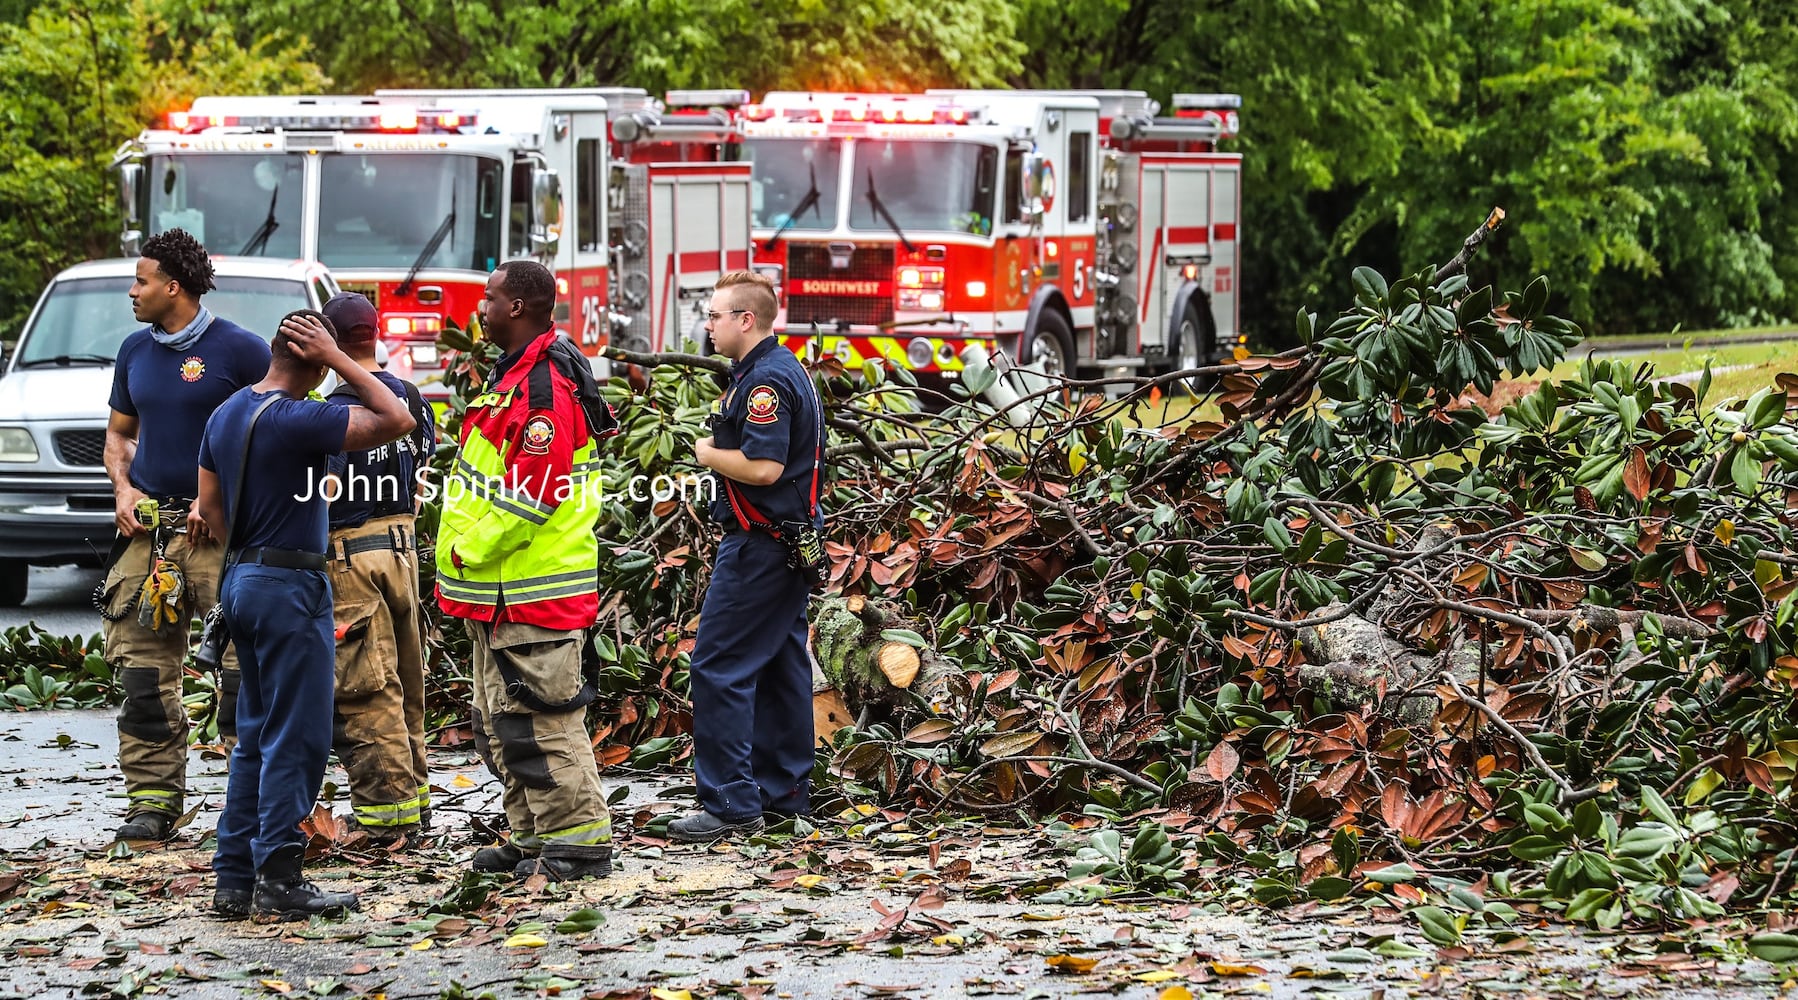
{"points": [[131, 175], [131, 242], [546, 209]]}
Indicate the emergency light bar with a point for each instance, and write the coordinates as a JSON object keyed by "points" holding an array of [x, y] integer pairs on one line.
{"points": [[893, 114], [705, 98], [1223, 109], [375, 119]]}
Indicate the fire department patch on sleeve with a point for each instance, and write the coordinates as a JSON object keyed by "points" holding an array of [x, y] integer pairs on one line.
{"points": [[764, 405], [538, 433]]}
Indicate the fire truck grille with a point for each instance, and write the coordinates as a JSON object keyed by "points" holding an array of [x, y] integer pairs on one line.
{"points": [[81, 447], [857, 310], [866, 264], [812, 260]]}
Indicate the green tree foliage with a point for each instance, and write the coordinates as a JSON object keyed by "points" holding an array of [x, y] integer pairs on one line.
{"points": [[1647, 144], [82, 78], [655, 44]]}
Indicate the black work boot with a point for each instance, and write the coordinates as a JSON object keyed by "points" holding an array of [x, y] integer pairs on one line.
{"points": [[280, 891], [567, 863], [500, 858], [147, 826], [702, 827], [231, 904]]}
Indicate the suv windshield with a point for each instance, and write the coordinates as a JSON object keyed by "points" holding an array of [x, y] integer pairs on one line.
{"points": [[924, 185], [382, 210], [224, 200], [783, 170], [92, 316]]}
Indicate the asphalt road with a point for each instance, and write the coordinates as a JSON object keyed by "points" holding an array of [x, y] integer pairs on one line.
{"points": [[58, 599]]}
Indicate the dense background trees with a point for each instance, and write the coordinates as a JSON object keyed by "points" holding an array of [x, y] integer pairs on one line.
{"points": [[1643, 148]]}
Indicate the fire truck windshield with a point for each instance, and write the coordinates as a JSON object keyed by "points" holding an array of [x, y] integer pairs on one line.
{"points": [[924, 185], [381, 210], [784, 170], [234, 203]]}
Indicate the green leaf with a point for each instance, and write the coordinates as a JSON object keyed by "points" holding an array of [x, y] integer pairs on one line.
{"points": [[581, 921], [1370, 287], [1772, 946], [1439, 925], [1657, 807], [904, 635], [1703, 785], [1391, 874]]}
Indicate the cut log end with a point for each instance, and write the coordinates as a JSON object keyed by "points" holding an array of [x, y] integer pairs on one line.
{"points": [[899, 663]]}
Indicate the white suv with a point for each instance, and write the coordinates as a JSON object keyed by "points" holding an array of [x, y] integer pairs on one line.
{"points": [[55, 499]]}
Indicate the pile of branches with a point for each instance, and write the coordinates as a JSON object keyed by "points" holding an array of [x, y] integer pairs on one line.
{"points": [[1322, 616]]}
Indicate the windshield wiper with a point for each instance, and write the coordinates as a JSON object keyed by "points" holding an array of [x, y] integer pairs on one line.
{"points": [[430, 250], [809, 203], [881, 210], [259, 239], [65, 360]]}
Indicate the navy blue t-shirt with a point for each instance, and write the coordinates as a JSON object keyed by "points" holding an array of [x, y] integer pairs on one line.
{"points": [[378, 481], [281, 506], [770, 411], [172, 393]]}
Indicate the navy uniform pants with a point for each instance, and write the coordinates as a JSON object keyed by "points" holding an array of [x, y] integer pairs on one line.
{"points": [[280, 622], [751, 680]]}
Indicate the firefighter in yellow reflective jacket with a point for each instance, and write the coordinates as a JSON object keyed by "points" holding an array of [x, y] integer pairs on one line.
{"points": [[518, 560]]}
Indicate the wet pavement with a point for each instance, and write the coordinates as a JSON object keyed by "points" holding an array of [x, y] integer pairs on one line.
{"points": [[881, 909]]}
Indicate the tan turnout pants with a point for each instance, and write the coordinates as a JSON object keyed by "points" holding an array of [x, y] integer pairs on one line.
{"points": [[153, 724], [544, 760], [379, 719]]}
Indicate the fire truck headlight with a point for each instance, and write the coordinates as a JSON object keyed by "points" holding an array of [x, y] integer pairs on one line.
{"points": [[930, 300], [976, 289], [399, 326], [424, 355], [945, 355], [919, 352]]}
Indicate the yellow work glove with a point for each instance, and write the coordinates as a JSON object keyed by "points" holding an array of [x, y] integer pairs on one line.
{"points": [[159, 603]]}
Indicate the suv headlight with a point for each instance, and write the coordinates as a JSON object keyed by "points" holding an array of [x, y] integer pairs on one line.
{"points": [[16, 445]]}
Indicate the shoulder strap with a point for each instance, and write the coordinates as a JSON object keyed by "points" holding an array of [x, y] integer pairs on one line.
{"points": [[243, 468]]}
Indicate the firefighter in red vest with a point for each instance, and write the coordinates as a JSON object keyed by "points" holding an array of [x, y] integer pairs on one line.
{"points": [[517, 558]]}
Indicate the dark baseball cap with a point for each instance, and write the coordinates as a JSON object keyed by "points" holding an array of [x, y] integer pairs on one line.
{"points": [[349, 310]]}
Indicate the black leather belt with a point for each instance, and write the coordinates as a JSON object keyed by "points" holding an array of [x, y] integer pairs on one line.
{"points": [[278, 558]]}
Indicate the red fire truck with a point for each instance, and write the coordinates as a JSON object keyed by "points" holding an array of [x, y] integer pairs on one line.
{"points": [[412, 197], [1078, 231]]}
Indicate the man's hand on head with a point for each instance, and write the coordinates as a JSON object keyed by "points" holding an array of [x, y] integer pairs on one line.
{"points": [[312, 341]]}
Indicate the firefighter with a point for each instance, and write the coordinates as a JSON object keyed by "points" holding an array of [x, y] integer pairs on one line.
{"points": [[751, 674], [164, 568], [264, 455], [379, 731], [518, 559]]}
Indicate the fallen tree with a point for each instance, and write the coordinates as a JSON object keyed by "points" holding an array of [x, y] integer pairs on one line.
{"points": [[1332, 615]]}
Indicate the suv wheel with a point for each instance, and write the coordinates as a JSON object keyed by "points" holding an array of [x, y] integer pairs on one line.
{"points": [[15, 579]]}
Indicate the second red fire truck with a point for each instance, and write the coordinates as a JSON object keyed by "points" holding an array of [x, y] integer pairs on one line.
{"points": [[1077, 231]]}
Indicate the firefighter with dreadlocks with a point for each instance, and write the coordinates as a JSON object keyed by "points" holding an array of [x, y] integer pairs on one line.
{"points": [[518, 560]]}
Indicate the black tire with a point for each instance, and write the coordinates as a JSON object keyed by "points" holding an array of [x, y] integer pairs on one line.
{"points": [[1051, 347], [1198, 345], [15, 581]]}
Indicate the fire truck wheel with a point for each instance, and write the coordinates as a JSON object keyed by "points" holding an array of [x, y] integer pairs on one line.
{"points": [[1050, 347], [1197, 342]]}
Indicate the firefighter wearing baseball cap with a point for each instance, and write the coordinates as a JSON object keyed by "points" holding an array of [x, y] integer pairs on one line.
{"points": [[518, 559], [379, 719]]}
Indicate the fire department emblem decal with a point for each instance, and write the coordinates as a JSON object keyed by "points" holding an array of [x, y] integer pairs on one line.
{"points": [[538, 434], [764, 405], [192, 369]]}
